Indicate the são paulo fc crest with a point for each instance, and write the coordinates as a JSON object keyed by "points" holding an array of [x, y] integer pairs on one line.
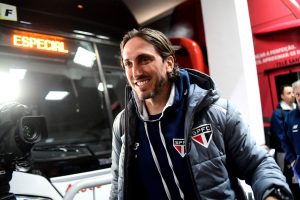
{"points": [[202, 134], [179, 145]]}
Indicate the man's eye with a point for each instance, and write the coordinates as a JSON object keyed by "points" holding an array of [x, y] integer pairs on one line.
{"points": [[127, 64], [144, 60]]}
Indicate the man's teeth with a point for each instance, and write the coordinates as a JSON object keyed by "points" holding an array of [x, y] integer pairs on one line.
{"points": [[141, 83]]}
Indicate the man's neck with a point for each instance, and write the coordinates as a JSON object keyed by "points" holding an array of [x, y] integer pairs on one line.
{"points": [[156, 104], [154, 107]]}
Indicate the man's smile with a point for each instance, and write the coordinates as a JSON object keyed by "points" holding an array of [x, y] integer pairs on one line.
{"points": [[142, 83]]}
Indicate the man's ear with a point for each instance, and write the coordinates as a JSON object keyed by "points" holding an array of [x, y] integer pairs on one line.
{"points": [[170, 63], [281, 96]]}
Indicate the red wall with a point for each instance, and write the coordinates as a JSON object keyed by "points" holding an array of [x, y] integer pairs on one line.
{"points": [[275, 27]]}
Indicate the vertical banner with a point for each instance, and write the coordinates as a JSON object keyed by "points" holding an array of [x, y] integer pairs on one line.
{"points": [[8, 12]]}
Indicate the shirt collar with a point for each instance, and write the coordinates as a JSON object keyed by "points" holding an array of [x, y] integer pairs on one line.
{"points": [[285, 106]]}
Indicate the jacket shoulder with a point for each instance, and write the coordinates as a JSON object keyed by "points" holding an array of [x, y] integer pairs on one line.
{"points": [[222, 103], [119, 125], [216, 113]]}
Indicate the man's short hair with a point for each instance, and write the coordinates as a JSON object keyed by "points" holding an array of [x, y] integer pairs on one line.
{"points": [[281, 89]]}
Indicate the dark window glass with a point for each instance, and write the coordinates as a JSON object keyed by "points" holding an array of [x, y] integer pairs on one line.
{"points": [[78, 123], [116, 82]]}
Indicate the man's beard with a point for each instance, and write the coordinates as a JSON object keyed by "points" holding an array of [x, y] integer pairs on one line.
{"points": [[156, 91]]}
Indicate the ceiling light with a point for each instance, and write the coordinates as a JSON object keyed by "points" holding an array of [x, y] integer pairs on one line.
{"points": [[101, 86], [109, 86], [103, 37], [80, 6], [56, 95], [84, 32], [25, 22]]}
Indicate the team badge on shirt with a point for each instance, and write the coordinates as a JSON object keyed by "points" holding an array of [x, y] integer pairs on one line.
{"points": [[202, 134], [179, 145]]}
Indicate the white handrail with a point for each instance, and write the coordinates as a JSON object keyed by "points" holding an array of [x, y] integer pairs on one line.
{"points": [[87, 183]]}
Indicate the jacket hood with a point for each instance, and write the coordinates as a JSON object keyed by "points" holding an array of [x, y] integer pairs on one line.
{"points": [[191, 79], [201, 79], [202, 90]]}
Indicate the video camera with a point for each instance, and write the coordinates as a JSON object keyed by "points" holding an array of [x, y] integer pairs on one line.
{"points": [[30, 130], [19, 132]]}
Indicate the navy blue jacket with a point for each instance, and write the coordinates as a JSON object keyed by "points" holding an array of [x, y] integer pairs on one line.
{"points": [[277, 127], [291, 140]]}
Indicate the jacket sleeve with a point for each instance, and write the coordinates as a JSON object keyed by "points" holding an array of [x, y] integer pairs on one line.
{"points": [[115, 156], [249, 161]]}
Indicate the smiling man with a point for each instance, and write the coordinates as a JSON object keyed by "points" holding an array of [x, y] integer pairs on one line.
{"points": [[146, 72], [177, 139]]}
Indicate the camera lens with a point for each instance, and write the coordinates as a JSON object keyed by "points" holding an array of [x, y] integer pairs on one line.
{"points": [[29, 133], [32, 129]]}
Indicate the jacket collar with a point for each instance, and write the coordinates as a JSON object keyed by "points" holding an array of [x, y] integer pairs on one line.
{"points": [[285, 106]]}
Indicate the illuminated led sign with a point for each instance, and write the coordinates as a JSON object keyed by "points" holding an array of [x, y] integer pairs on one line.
{"points": [[39, 42]]}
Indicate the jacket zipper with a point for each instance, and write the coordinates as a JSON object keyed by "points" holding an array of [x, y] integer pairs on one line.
{"points": [[188, 147]]}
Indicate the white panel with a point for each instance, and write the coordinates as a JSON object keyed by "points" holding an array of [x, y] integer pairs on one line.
{"points": [[231, 58]]}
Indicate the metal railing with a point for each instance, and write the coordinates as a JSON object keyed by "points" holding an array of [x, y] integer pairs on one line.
{"points": [[87, 183]]}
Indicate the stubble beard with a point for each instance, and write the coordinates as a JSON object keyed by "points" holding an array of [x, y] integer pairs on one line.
{"points": [[157, 90]]}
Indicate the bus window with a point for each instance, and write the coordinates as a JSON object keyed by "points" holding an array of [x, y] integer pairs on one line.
{"points": [[114, 76], [59, 78], [110, 55], [116, 81]]}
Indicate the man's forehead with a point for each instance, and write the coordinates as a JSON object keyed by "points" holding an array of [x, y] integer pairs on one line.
{"points": [[136, 48], [138, 55], [288, 89]]}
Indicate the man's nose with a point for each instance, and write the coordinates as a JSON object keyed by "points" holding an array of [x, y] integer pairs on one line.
{"points": [[136, 69]]}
